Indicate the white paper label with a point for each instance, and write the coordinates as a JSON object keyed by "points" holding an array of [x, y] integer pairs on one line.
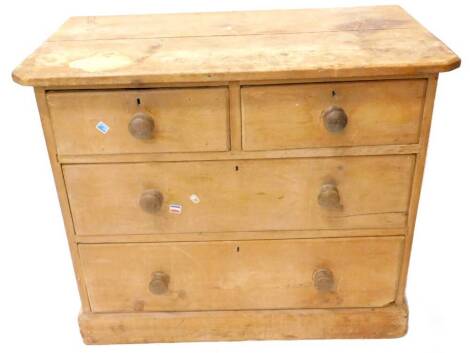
{"points": [[194, 198]]}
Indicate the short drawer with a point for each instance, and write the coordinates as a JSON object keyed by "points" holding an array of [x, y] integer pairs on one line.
{"points": [[269, 194], [332, 114], [342, 272], [140, 121]]}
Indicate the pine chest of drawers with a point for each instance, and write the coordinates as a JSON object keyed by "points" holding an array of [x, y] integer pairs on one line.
{"points": [[231, 176]]}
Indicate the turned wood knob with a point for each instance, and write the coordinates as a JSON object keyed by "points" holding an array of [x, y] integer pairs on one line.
{"points": [[334, 119], [323, 280], [328, 197], [159, 283], [151, 201], [142, 126]]}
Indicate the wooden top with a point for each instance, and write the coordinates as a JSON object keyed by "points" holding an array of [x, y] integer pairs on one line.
{"points": [[261, 45]]}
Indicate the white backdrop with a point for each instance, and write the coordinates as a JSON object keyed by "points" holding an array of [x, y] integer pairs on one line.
{"points": [[38, 296]]}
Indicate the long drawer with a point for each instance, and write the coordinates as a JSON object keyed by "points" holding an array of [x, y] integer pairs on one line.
{"points": [[140, 121], [270, 194], [321, 273], [332, 114]]}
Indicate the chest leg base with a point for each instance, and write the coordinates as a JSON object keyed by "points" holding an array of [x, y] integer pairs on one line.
{"points": [[387, 322]]}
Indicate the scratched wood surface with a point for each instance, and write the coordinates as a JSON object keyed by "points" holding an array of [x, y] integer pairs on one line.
{"points": [[325, 43], [388, 322], [186, 120], [290, 116], [228, 275], [240, 195], [241, 95]]}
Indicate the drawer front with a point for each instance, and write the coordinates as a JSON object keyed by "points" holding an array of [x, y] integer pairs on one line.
{"points": [[343, 272], [270, 194], [140, 121], [332, 114]]}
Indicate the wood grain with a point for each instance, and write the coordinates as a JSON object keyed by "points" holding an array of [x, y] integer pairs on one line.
{"points": [[235, 118], [40, 95], [417, 183], [247, 235], [299, 229], [290, 116], [241, 155], [233, 23], [372, 42], [387, 322], [240, 195], [242, 275], [189, 119]]}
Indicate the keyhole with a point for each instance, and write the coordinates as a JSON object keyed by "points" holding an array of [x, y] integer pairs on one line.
{"points": [[238, 249], [333, 93], [138, 101], [236, 168]]}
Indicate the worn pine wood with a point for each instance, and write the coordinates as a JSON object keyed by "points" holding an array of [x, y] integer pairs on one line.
{"points": [[290, 116], [62, 194], [240, 195], [186, 120], [290, 217], [233, 23], [387, 322], [247, 235], [137, 85], [235, 118], [236, 275], [326, 43], [241, 155], [417, 182]]}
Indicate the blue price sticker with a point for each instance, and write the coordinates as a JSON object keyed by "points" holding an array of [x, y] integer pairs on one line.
{"points": [[102, 127]]}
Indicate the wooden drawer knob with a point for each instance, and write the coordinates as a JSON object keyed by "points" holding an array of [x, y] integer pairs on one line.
{"points": [[142, 126], [151, 201], [323, 280], [328, 196], [335, 119], [159, 283]]}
